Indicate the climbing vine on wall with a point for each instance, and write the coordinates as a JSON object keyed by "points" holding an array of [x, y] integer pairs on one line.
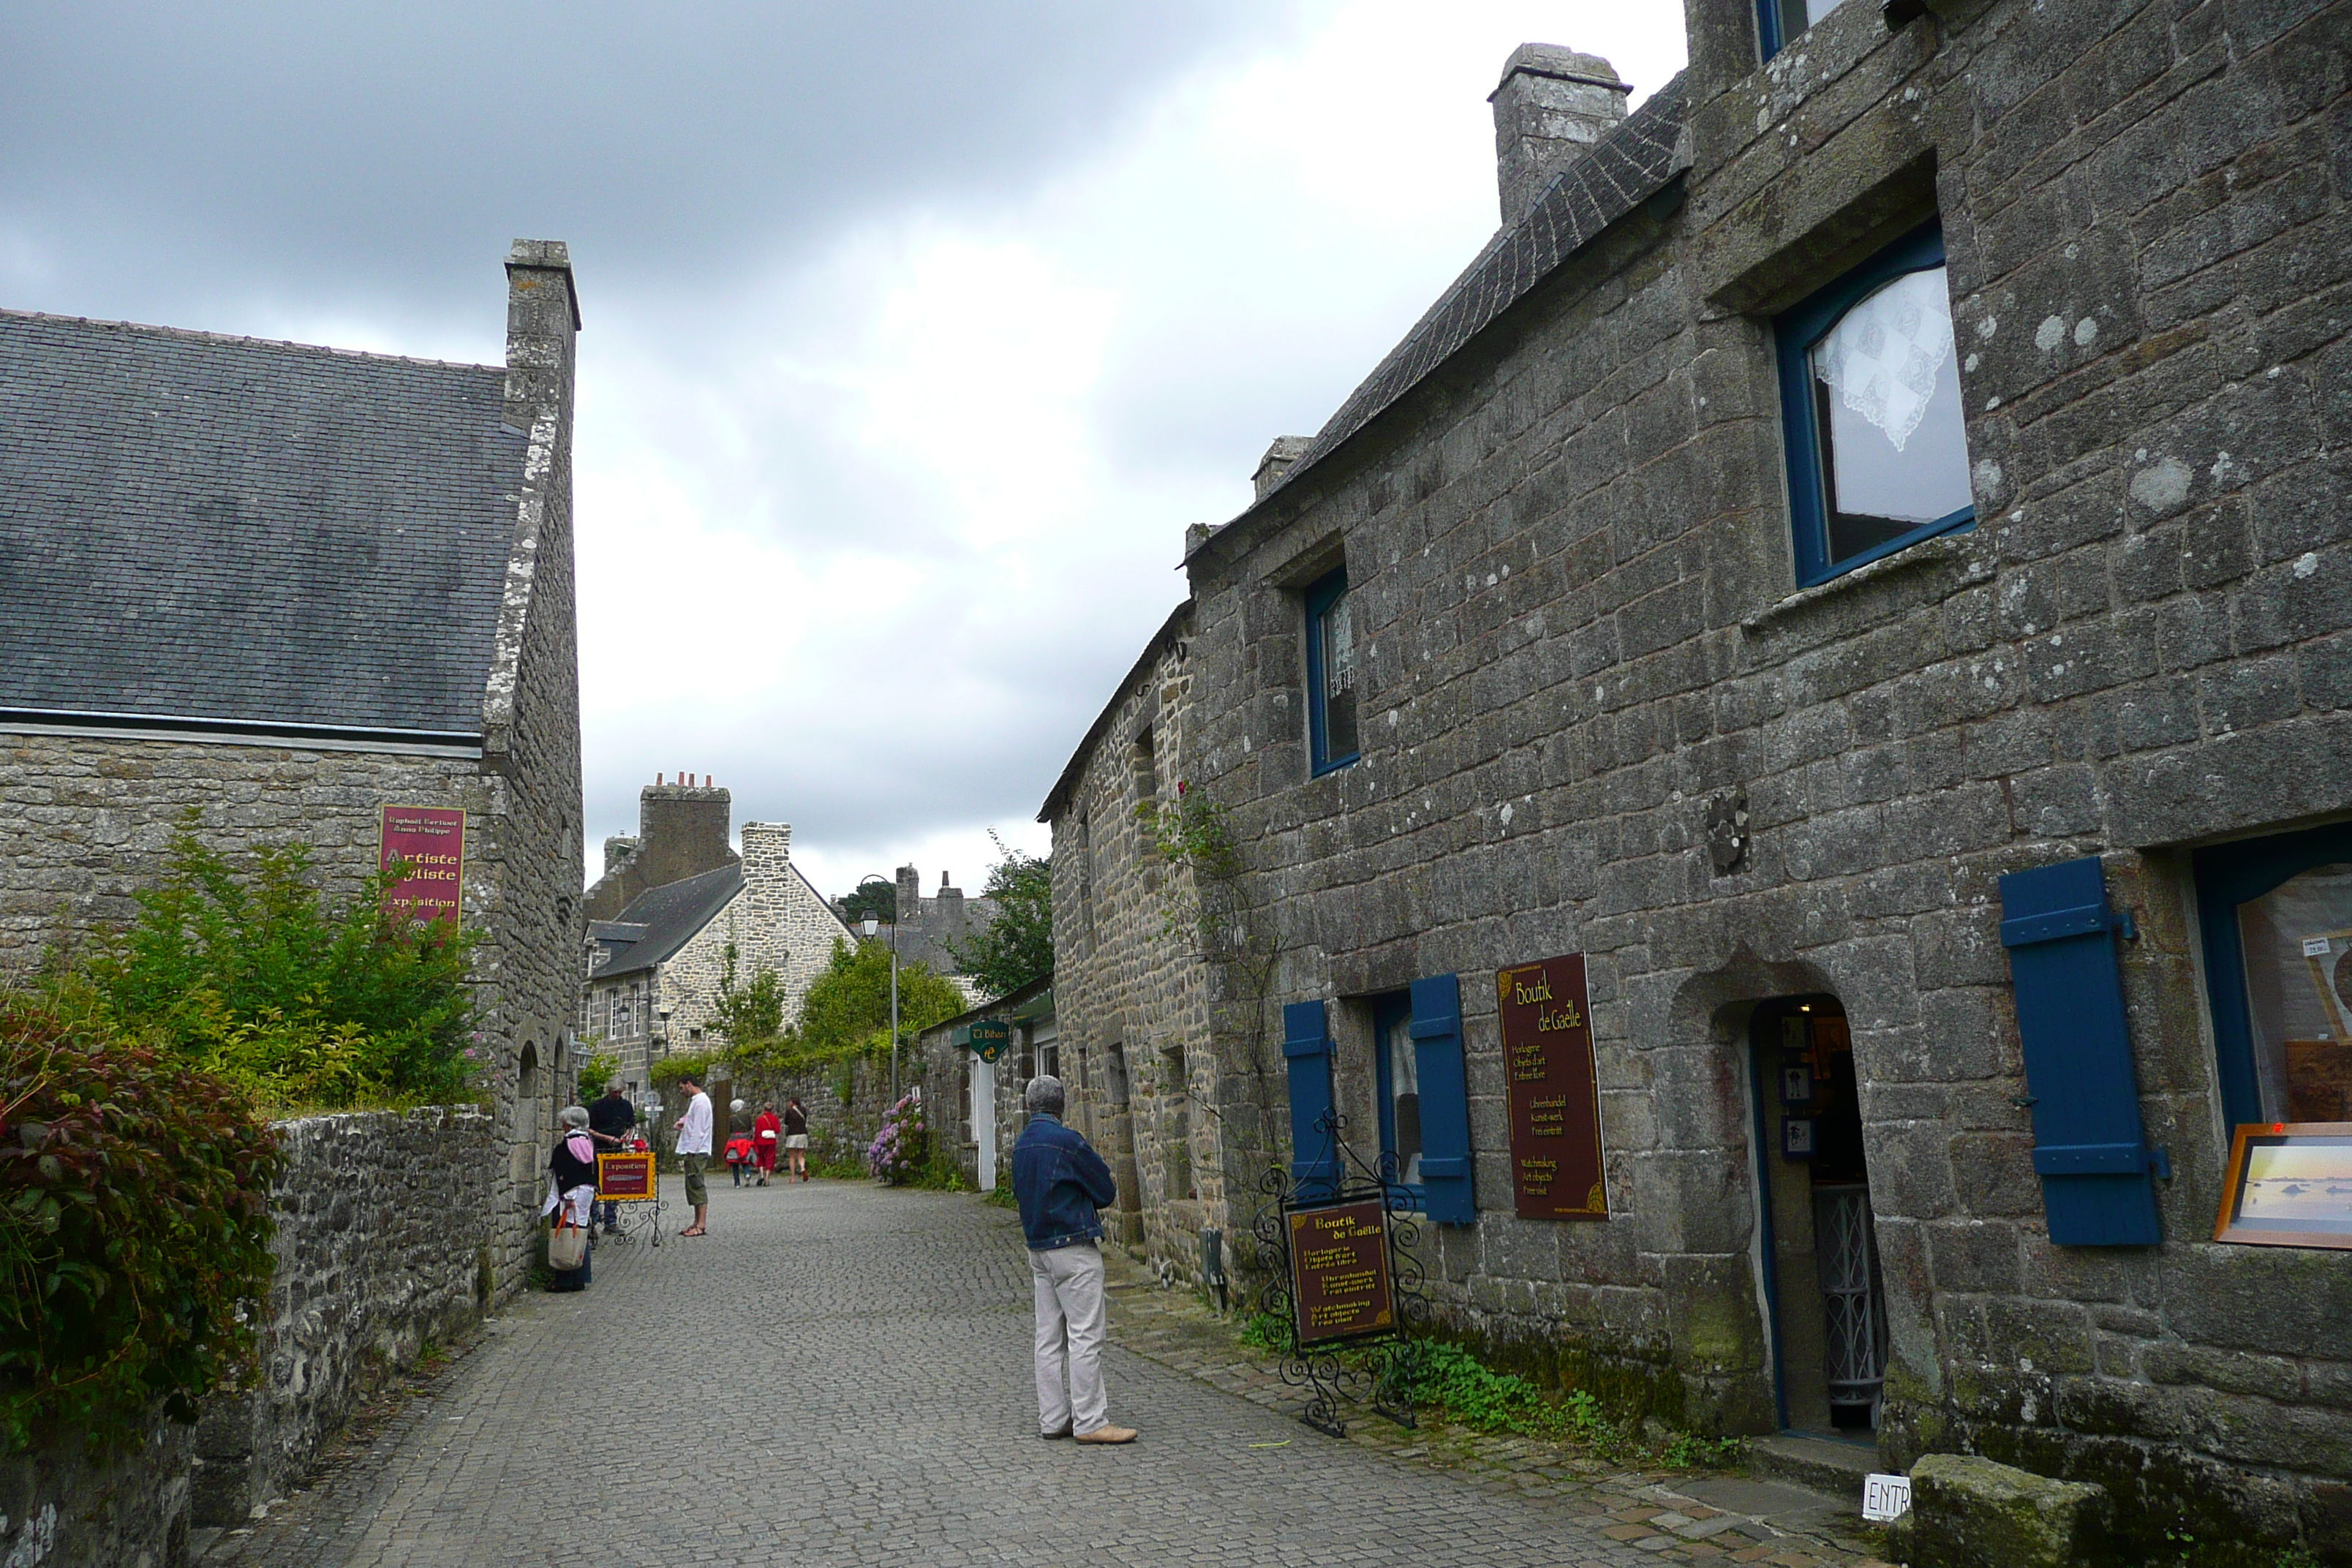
{"points": [[1209, 905]]}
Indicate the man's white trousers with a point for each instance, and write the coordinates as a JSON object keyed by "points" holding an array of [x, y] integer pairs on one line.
{"points": [[1069, 1282]]}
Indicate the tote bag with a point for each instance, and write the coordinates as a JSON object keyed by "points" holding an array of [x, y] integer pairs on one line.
{"points": [[567, 1248]]}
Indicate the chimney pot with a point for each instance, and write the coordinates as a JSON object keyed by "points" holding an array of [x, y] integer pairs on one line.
{"points": [[1552, 104]]}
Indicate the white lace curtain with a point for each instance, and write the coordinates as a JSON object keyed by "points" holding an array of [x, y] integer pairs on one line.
{"points": [[1884, 356]]}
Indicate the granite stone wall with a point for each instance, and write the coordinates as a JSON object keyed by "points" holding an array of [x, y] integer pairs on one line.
{"points": [[1578, 630], [1177, 1108], [386, 1240], [386, 1232]]}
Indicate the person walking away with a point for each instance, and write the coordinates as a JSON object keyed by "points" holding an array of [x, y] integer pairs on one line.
{"points": [[796, 1139], [572, 1191], [1060, 1181], [611, 1120], [739, 1157], [694, 1151], [766, 1133]]}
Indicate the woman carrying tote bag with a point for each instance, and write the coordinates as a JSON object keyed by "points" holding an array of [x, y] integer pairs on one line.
{"points": [[570, 1201]]}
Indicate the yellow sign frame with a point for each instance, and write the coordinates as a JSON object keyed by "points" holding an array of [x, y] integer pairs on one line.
{"points": [[653, 1180]]}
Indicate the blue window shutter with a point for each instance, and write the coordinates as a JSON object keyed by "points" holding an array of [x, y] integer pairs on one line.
{"points": [[1446, 1193], [1314, 1147], [2094, 1160]]}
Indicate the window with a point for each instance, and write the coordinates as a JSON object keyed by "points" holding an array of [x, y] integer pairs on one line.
{"points": [[1330, 673], [1399, 1084], [1780, 21], [1177, 1136], [2277, 918], [1870, 408]]}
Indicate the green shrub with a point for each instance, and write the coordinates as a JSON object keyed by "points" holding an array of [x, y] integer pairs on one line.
{"points": [[134, 1230], [258, 979], [845, 1015]]}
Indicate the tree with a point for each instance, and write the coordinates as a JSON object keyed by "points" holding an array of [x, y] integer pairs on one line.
{"points": [[748, 1013], [1017, 947], [256, 977], [847, 1012], [874, 897]]}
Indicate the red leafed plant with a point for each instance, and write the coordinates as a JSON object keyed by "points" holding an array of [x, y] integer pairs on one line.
{"points": [[134, 1230]]}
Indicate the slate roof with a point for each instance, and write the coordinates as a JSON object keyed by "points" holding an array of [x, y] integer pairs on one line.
{"points": [[266, 534], [1626, 168], [669, 917]]}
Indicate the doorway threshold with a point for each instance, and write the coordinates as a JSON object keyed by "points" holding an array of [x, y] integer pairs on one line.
{"points": [[1830, 1462]]}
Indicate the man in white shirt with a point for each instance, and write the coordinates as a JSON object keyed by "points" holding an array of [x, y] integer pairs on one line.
{"points": [[693, 1150]]}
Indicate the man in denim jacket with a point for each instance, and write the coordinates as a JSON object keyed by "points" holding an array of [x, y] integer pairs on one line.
{"points": [[1060, 1183]]}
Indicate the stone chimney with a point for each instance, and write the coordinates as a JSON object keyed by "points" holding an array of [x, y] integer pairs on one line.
{"points": [[950, 909], [910, 895], [619, 850], [1285, 450], [1552, 104], [681, 832]]}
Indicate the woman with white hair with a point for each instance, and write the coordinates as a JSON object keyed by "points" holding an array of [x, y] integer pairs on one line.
{"points": [[570, 1201]]}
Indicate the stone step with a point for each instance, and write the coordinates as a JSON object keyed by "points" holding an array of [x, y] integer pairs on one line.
{"points": [[1830, 1465]]}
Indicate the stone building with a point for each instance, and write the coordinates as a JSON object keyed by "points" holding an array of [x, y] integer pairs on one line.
{"points": [[656, 964], [287, 587], [928, 926], [1855, 570], [1132, 1010], [976, 1110]]}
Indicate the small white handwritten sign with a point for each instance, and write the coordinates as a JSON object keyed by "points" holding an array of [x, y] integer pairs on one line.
{"points": [[1885, 1497], [2314, 947]]}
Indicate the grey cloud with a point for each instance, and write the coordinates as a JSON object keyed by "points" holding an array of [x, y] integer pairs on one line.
{"points": [[165, 156]]}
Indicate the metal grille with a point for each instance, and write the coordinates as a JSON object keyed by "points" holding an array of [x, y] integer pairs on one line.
{"points": [[1849, 1274]]}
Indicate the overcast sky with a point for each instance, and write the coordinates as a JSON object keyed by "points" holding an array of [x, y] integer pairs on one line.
{"points": [[916, 334]]}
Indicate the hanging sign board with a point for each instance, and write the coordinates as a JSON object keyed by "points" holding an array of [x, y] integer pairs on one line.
{"points": [[1341, 1286], [987, 1038], [625, 1178], [432, 840], [1554, 1090]]}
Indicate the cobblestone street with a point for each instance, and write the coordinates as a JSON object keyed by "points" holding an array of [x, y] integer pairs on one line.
{"points": [[839, 1374]]}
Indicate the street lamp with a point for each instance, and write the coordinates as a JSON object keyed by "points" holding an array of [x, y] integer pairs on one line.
{"points": [[869, 923]]}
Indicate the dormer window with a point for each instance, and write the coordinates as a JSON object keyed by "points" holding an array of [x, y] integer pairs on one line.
{"points": [[1870, 409]]}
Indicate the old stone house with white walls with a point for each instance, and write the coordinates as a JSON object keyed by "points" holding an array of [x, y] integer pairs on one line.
{"points": [[655, 966], [1786, 751], [288, 587]]}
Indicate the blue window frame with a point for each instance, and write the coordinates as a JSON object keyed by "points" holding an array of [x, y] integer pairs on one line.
{"points": [[2276, 915], [1400, 1085], [1778, 21], [1870, 409], [1330, 673]]}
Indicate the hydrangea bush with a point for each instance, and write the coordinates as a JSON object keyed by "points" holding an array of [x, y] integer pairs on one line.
{"points": [[901, 1152]]}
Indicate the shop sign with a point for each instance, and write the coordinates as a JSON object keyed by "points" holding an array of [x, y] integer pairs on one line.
{"points": [[987, 1038], [625, 1178], [432, 840], [1341, 1286], [1554, 1092]]}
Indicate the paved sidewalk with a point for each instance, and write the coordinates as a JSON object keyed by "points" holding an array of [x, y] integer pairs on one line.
{"points": [[839, 1374]]}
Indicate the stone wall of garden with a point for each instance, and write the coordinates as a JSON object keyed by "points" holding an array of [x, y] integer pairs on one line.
{"points": [[384, 1243]]}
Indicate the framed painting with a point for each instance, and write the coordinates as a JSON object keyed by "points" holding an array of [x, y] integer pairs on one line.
{"points": [[2289, 1184]]}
